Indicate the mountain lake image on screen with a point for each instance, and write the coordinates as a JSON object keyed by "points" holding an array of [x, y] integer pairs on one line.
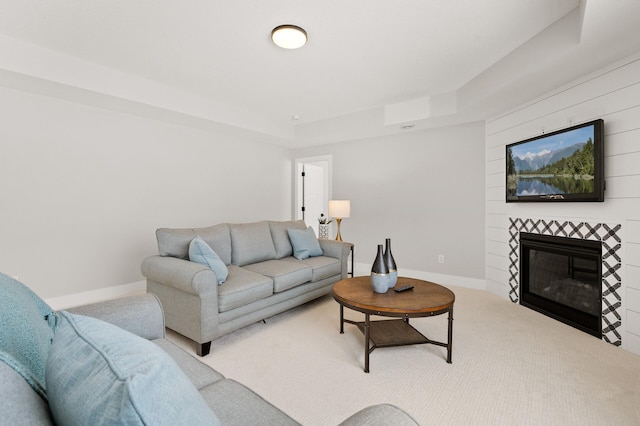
{"points": [[566, 165]]}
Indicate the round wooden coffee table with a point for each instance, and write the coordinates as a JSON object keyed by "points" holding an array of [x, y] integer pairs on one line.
{"points": [[424, 300]]}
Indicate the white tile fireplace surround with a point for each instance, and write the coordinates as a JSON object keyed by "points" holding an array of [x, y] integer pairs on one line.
{"points": [[607, 234]]}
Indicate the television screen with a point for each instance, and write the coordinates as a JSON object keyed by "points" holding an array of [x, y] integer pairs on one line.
{"points": [[566, 165]]}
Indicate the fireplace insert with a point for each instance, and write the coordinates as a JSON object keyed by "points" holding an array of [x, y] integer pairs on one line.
{"points": [[562, 278]]}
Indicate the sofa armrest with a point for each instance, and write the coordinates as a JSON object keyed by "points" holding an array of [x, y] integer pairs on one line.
{"points": [[381, 415], [189, 295], [181, 274], [141, 315], [339, 250], [333, 248]]}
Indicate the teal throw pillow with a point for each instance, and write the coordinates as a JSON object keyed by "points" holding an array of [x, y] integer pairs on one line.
{"points": [[304, 242], [200, 252], [27, 326], [98, 373]]}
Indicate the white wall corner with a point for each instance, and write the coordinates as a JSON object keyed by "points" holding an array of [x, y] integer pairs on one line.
{"points": [[437, 105]]}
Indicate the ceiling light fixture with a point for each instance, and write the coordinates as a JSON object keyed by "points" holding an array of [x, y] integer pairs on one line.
{"points": [[289, 36]]}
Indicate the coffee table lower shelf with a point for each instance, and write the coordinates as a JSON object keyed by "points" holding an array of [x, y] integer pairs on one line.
{"points": [[387, 333], [390, 333]]}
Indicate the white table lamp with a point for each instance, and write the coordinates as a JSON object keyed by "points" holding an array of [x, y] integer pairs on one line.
{"points": [[339, 209]]}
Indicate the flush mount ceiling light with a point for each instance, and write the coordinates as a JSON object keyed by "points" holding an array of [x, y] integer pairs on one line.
{"points": [[289, 36]]}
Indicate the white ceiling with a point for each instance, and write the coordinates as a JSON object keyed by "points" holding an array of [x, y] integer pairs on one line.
{"points": [[362, 55]]}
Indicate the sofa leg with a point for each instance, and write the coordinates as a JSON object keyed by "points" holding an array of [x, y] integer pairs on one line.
{"points": [[203, 349]]}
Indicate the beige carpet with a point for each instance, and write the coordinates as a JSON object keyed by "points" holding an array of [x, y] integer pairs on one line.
{"points": [[511, 366]]}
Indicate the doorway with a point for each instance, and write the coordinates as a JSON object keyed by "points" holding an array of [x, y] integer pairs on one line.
{"points": [[313, 189]]}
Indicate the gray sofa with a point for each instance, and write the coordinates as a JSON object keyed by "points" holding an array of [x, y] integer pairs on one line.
{"points": [[88, 401], [264, 278]]}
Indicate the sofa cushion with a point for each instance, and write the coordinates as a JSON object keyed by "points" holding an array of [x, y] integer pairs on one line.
{"points": [[281, 236], [235, 404], [200, 252], [218, 238], [304, 242], [199, 373], [285, 275], [19, 404], [251, 243], [99, 373], [243, 287], [323, 266], [27, 326], [175, 242]]}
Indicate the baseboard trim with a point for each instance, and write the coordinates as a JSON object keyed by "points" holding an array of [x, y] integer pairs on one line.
{"points": [[453, 280], [94, 296]]}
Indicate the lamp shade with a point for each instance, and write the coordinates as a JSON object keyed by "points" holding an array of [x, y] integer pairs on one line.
{"points": [[339, 208]]}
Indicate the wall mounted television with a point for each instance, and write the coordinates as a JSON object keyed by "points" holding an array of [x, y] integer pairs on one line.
{"points": [[566, 165]]}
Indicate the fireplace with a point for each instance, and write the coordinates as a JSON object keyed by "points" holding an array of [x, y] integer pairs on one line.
{"points": [[607, 234], [562, 278]]}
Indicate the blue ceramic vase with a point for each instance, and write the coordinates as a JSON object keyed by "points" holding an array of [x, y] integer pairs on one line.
{"points": [[380, 273]]}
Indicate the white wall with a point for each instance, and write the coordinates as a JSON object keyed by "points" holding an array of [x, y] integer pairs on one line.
{"points": [[612, 94], [422, 189], [83, 189]]}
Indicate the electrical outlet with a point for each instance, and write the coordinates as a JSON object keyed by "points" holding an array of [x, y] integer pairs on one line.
{"points": [[441, 258]]}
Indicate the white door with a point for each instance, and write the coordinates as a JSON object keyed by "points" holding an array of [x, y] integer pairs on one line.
{"points": [[313, 189]]}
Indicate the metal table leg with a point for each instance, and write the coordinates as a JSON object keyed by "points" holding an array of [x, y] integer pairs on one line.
{"points": [[450, 339], [367, 331]]}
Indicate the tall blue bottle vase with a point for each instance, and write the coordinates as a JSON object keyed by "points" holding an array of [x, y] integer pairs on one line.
{"points": [[391, 264]]}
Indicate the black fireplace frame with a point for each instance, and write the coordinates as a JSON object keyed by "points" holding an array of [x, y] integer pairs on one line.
{"points": [[571, 247]]}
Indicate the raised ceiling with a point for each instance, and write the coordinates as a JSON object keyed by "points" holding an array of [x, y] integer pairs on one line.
{"points": [[367, 61]]}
